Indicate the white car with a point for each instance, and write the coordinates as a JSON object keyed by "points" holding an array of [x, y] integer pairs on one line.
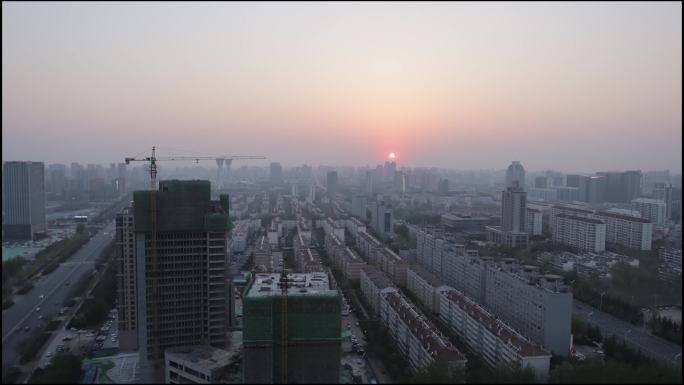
{"points": [[41, 296], [37, 309]]}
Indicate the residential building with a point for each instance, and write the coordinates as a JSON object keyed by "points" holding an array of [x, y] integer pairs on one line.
{"points": [[291, 329], [416, 338], [654, 210], [534, 221], [671, 263], [663, 192], [425, 286], [373, 283], [199, 364], [332, 183], [626, 230], [587, 234], [276, 174], [489, 337]]}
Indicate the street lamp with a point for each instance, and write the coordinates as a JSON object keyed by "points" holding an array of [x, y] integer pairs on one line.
{"points": [[601, 302]]}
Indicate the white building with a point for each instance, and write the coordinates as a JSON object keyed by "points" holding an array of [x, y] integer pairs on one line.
{"points": [[627, 231], [374, 282], [488, 336], [417, 339], [425, 286], [586, 234], [654, 210], [534, 221]]}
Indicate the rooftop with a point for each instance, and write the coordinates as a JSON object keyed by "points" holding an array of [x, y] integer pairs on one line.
{"points": [[378, 278], [268, 285], [429, 336], [502, 331], [623, 217], [203, 355], [570, 208], [581, 219], [426, 275]]}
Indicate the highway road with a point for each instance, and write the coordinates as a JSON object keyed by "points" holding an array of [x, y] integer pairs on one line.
{"points": [[653, 346], [55, 291]]}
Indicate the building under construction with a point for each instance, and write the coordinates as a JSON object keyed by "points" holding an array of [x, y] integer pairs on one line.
{"points": [[173, 288], [291, 329]]}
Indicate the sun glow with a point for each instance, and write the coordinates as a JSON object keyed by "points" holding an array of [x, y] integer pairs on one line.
{"points": [[392, 155]]}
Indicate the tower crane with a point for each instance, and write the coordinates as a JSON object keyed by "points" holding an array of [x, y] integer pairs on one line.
{"points": [[155, 296]]}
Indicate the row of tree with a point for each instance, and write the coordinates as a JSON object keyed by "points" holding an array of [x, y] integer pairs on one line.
{"points": [[666, 328]]}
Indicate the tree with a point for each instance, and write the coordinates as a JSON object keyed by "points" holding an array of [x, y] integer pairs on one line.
{"points": [[80, 228], [503, 373], [440, 372], [65, 369]]}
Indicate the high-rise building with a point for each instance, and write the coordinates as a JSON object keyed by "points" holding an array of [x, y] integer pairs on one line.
{"points": [[541, 182], [625, 230], [276, 174], [621, 186], [514, 210], [663, 192], [332, 183], [291, 329], [173, 287], [515, 176], [586, 234], [534, 221], [443, 187], [572, 180], [652, 209], [23, 200]]}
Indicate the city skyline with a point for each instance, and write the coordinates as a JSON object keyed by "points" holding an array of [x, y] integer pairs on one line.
{"points": [[568, 87]]}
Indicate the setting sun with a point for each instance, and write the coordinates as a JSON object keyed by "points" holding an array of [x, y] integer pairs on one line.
{"points": [[392, 155]]}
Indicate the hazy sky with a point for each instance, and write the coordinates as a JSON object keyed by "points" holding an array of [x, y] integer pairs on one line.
{"points": [[572, 87]]}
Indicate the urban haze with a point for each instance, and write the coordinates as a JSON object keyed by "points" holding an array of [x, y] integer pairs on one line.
{"points": [[341, 192]]}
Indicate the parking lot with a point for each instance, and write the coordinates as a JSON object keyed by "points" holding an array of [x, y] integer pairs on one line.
{"points": [[80, 341]]}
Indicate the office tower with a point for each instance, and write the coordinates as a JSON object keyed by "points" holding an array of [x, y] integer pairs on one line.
{"points": [[515, 176], [311, 196], [622, 186], [291, 329], [593, 189], [514, 210], [586, 234], [443, 187], [23, 200], [663, 192], [541, 182], [652, 209], [332, 183], [572, 180], [370, 182], [174, 288], [56, 181], [276, 174]]}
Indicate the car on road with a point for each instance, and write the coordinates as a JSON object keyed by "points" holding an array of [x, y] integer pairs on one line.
{"points": [[27, 328], [37, 309], [41, 296], [40, 316], [67, 283], [49, 354]]}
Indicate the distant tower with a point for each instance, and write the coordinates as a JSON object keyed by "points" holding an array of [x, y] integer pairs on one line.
{"points": [[23, 199], [515, 176], [276, 175], [332, 183]]}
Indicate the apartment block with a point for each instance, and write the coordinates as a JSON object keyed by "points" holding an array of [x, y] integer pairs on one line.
{"points": [[586, 234], [625, 230], [671, 263], [417, 339], [655, 210], [534, 221], [538, 306], [489, 337], [354, 226], [426, 287], [373, 283]]}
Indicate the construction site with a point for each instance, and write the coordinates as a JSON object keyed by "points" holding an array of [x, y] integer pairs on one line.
{"points": [[291, 330]]}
